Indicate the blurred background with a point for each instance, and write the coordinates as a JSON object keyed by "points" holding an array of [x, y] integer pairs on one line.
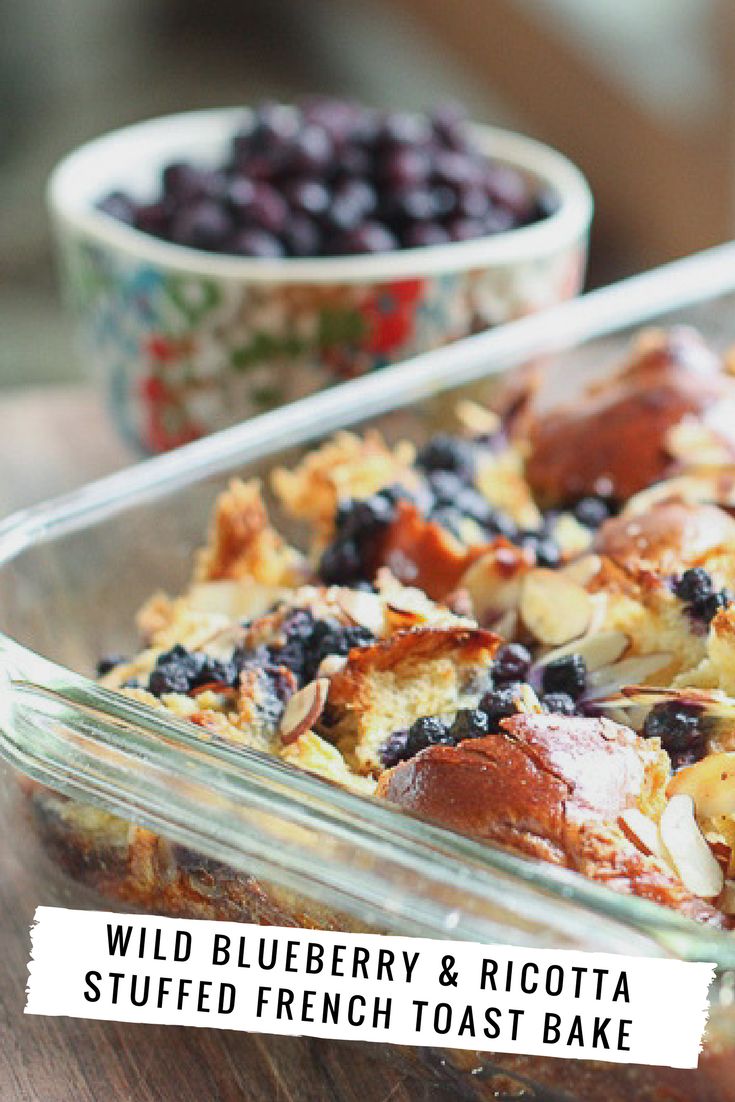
{"points": [[638, 92]]}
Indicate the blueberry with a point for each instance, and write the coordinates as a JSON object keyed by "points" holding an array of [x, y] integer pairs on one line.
{"points": [[445, 485], [341, 563], [154, 218], [414, 204], [470, 723], [448, 453], [473, 203], [301, 235], [465, 229], [375, 182], [403, 167], [352, 203], [592, 511], [511, 663], [256, 243], [308, 196], [448, 123], [500, 524], [545, 549], [182, 181], [203, 224], [706, 608], [119, 206], [417, 235], [456, 169], [680, 728], [500, 703], [108, 663], [565, 675], [332, 639], [694, 585], [179, 671], [427, 731], [268, 209], [395, 749], [559, 704], [370, 237], [240, 195], [402, 129], [357, 523], [471, 502], [508, 189], [448, 518]]}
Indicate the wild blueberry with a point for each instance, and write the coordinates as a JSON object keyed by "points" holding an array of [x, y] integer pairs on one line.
{"points": [[448, 453], [108, 662], [592, 511], [706, 608], [427, 731], [511, 663], [694, 585], [500, 703], [395, 749], [469, 723], [681, 730], [565, 675], [559, 704]]}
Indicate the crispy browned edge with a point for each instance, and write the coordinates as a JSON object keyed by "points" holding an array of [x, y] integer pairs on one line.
{"points": [[164, 878]]}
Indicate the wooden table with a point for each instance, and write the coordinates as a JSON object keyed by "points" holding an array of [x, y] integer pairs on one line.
{"points": [[51, 441]]}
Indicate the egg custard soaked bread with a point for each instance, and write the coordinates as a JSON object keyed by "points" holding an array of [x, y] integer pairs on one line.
{"points": [[523, 630]]}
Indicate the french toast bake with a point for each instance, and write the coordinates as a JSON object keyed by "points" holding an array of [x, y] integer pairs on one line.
{"points": [[523, 630]]}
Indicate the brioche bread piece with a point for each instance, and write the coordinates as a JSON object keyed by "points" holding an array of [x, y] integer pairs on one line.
{"points": [[552, 787], [244, 545], [669, 537], [385, 687], [613, 440], [347, 466]]}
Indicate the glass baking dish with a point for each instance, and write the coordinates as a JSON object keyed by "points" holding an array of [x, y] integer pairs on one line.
{"points": [[236, 834]]}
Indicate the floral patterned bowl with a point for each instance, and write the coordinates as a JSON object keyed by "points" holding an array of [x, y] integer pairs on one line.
{"points": [[187, 342]]}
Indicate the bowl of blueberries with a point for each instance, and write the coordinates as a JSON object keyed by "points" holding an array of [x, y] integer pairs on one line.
{"points": [[223, 262]]}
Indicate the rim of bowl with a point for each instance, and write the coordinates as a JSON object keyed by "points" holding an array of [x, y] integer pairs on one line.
{"points": [[70, 201]]}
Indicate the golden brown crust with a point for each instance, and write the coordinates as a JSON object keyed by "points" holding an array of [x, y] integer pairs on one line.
{"points": [[243, 544], [667, 539], [344, 467], [551, 788], [613, 440], [387, 686], [470, 646], [422, 553]]}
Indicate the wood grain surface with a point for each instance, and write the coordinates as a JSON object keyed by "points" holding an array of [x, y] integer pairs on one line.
{"points": [[50, 442]]}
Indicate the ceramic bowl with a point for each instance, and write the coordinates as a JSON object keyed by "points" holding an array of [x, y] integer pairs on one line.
{"points": [[186, 342]]}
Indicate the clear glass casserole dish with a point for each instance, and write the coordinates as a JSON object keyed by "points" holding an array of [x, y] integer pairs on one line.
{"points": [[235, 834]]}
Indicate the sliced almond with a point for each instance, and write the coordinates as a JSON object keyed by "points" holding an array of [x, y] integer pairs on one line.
{"points": [[303, 710], [364, 609], [554, 609], [710, 783], [583, 569], [528, 701], [332, 665], [687, 849], [602, 649], [629, 671], [476, 418], [493, 581], [641, 830], [235, 599], [506, 625]]}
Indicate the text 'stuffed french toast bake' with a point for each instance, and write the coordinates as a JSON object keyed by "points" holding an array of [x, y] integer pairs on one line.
{"points": [[523, 630]]}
